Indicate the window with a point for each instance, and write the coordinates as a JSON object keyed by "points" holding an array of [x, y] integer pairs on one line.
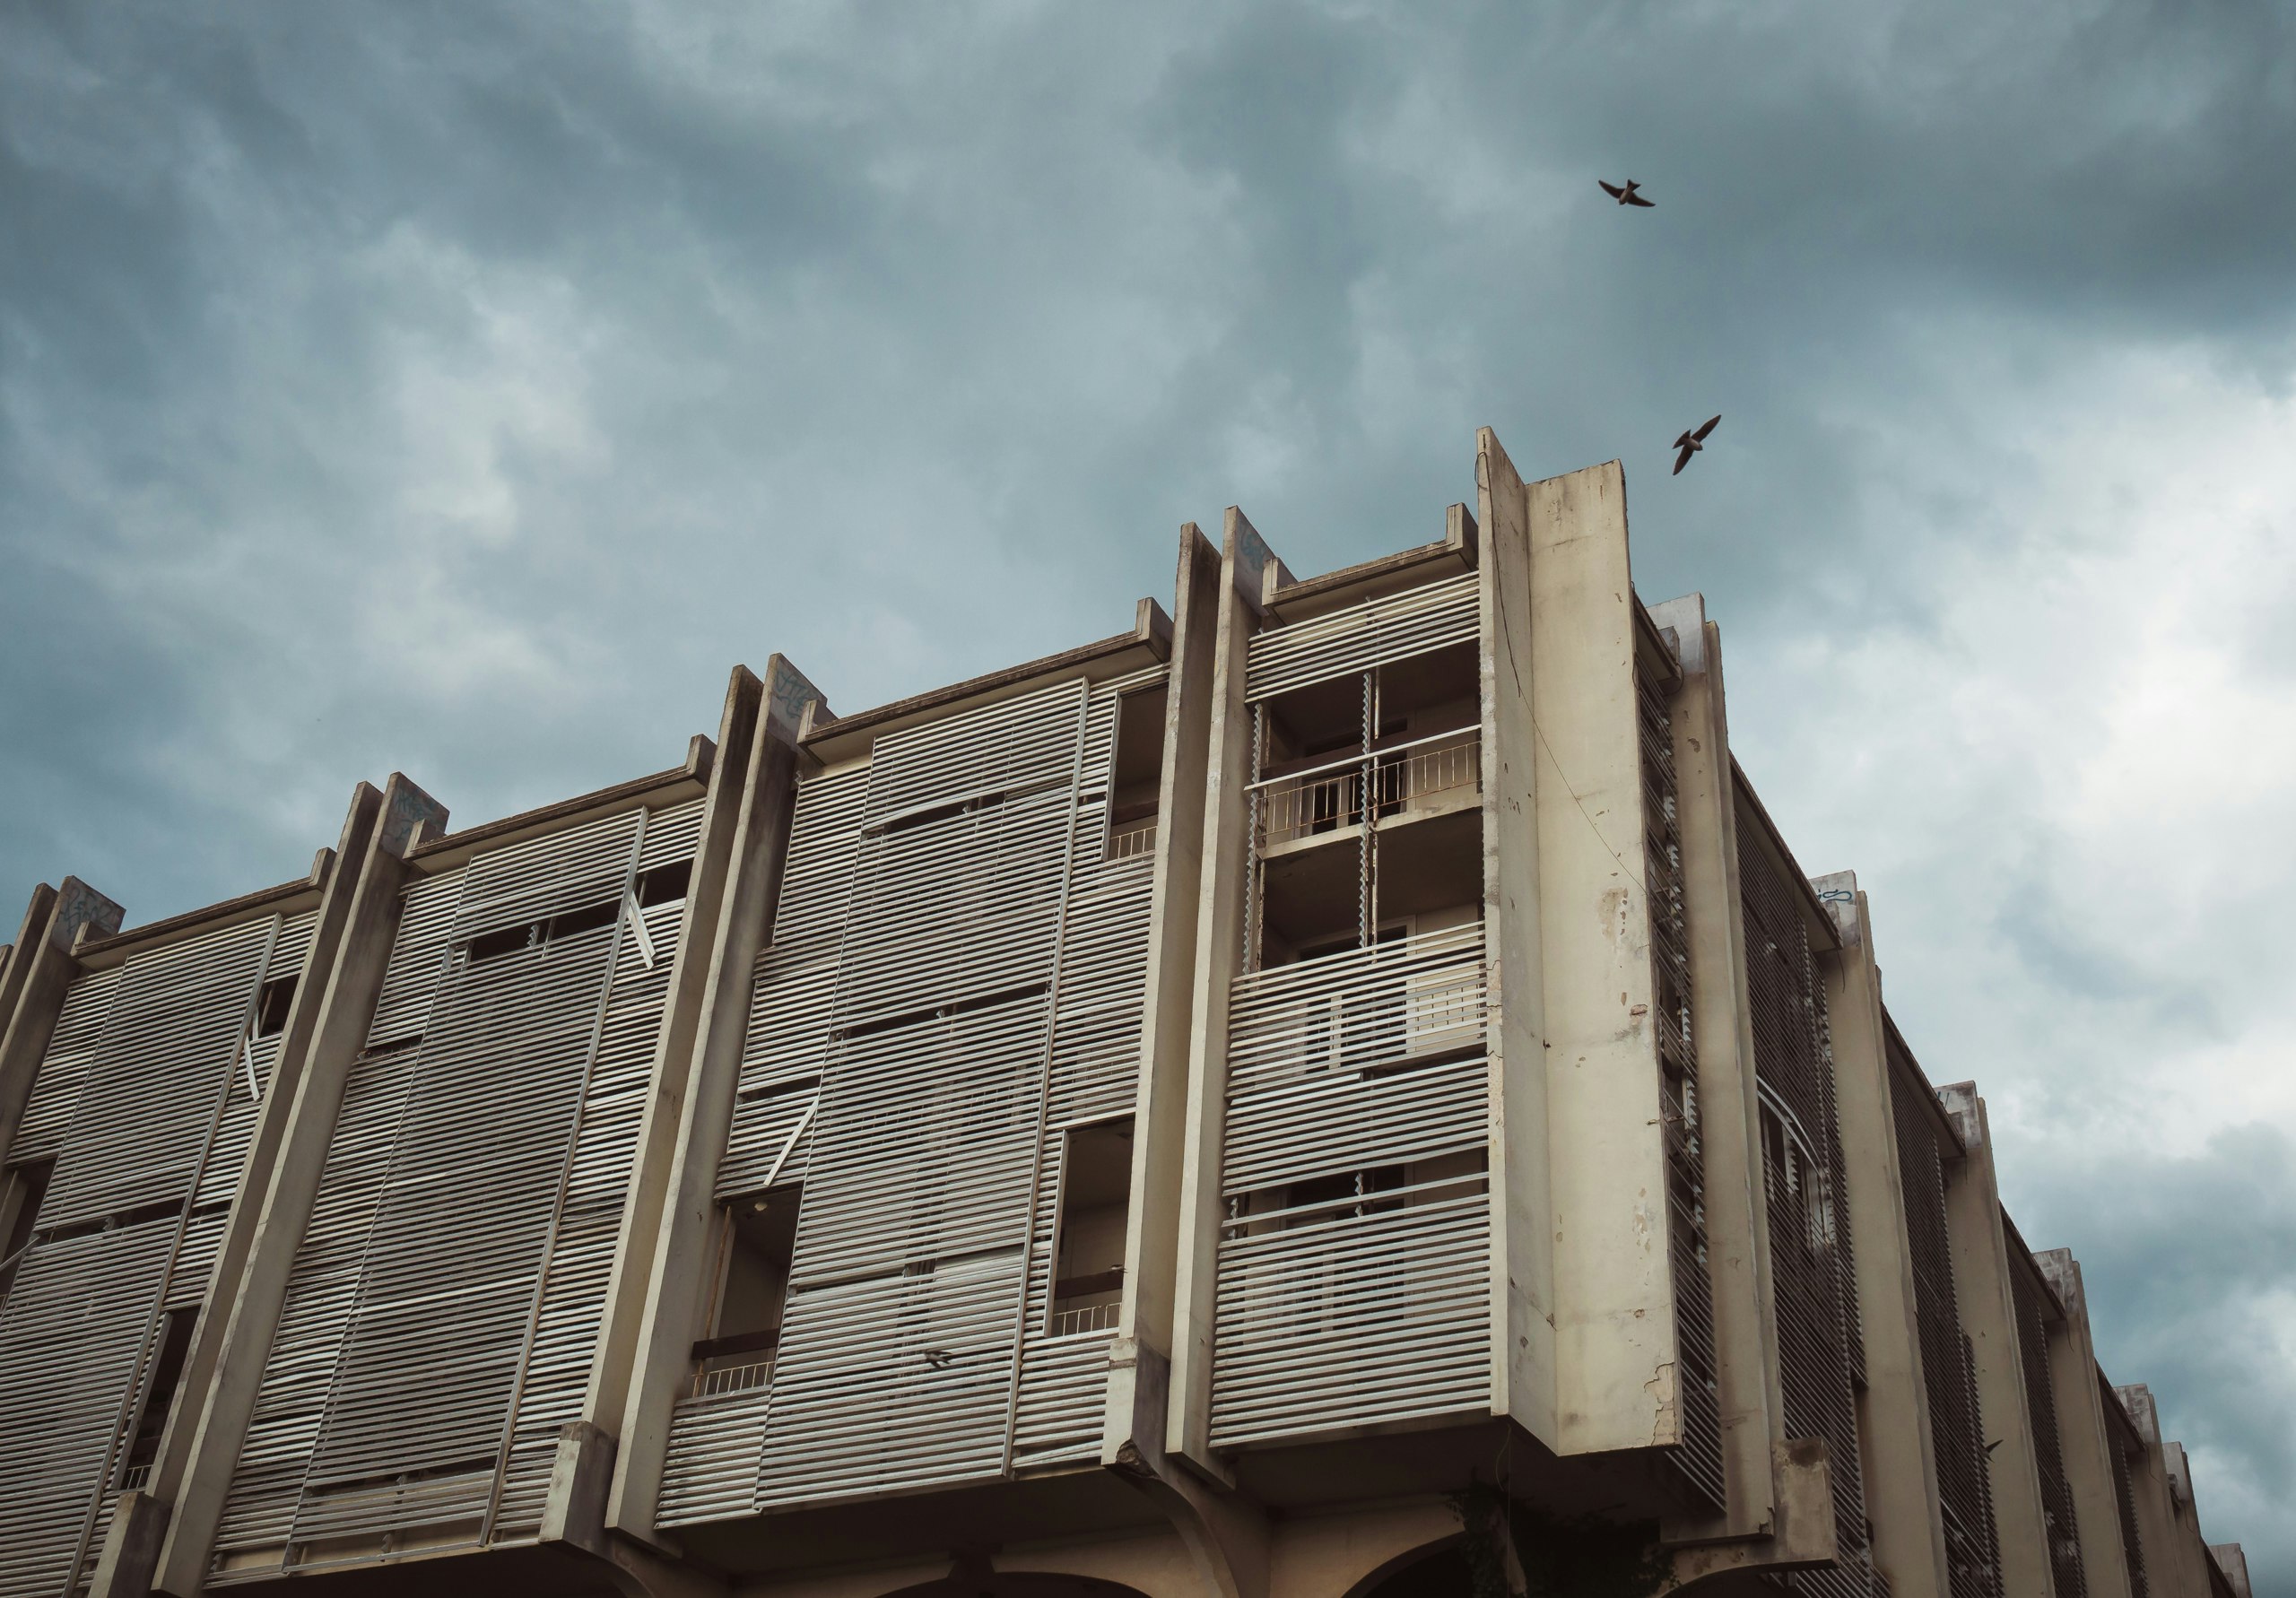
{"points": [[756, 1236], [165, 1375], [272, 1005], [1094, 1228], [22, 1189], [1136, 774]]}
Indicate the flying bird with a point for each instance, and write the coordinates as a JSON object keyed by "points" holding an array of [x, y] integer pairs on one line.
{"points": [[938, 1357], [1628, 195], [1689, 444]]}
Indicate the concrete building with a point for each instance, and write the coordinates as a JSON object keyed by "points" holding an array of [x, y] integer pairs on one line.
{"points": [[1339, 1088]]}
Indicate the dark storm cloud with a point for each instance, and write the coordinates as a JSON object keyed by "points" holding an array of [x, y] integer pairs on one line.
{"points": [[465, 388]]}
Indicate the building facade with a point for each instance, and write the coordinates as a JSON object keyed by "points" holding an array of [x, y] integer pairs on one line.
{"points": [[1340, 1088]]}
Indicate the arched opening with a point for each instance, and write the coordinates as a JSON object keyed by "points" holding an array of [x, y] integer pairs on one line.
{"points": [[1017, 1585], [1437, 1570]]}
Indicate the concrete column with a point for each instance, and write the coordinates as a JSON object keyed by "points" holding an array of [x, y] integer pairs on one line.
{"points": [[2083, 1432], [39, 973], [1226, 1538], [1987, 1298], [1523, 1334], [1737, 1242], [1900, 1468], [1137, 1397], [132, 1546], [2165, 1569], [726, 962], [1246, 563], [337, 1030], [1614, 1329], [579, 1484]]}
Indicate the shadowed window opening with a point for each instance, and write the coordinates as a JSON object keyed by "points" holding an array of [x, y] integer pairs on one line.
{"points": [[756, 1236], [1095, 1220], [272, 1005]]}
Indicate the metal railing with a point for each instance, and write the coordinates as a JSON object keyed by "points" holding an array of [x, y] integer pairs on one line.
{"points": [[1091, 1317], [1401, 778], [1128, 840], [716, 1381]]}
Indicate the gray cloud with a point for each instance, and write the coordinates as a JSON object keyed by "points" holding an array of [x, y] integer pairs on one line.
{"points": [[464, 389]]}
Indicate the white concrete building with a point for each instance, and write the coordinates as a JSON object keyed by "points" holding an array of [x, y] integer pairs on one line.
{"points": [[1339, 1088]]}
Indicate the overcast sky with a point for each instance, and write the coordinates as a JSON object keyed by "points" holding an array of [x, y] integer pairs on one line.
{"points": [[464, 389]]}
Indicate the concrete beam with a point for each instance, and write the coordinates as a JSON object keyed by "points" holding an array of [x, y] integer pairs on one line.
{"points": [[1249, 570], [675, 1290], [39, 974], [1894, 1416], [1987, 1300], [2088, 1442], [337, 1030], [1737, 1242], [1523, 1337]]}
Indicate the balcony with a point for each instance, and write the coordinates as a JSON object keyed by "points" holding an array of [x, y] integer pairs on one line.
{"points": [[1424, 776]]}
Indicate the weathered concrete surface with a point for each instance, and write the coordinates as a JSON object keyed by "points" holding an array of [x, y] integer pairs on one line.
{"points": [[2080, 1421], [1522, 1237], [1893, 1415], [1988, 1308], [1746, 1325], [1615, 1370], [1247, 563]]}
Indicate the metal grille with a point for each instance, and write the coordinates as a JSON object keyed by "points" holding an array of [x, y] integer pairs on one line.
{"points": [[2048, 1447], [1810, 1271], [56, 1089], [1414, 621], [1344, 1310], [1698, 1459], [72, 1335], [957, 971], [1949, 1374], [795, 989], [142, 1118], [442, 1313], [144, 1099]]}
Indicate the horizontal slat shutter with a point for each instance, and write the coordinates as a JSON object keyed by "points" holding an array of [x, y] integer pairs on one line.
{"points": [[1397, 627], [71, 1334], [166, 1053]]}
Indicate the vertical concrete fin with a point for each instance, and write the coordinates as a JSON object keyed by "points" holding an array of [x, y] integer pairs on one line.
{"points": [[744, 718], [363, 904], [694, 1105], [1900, 1460], [1159, 1114], [1522, 1239], [55, 923], [1615, 1353], [1249, 569], [1747, 1398]]}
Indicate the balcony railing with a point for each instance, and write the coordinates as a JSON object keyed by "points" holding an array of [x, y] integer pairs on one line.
{"points": [[1089, 1317], [1401, 778], [715, 1381], [1129, 841], [1366, 1010]]}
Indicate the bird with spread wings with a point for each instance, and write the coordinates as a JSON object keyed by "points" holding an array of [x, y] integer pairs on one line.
{"points": [[1690, 443]]}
